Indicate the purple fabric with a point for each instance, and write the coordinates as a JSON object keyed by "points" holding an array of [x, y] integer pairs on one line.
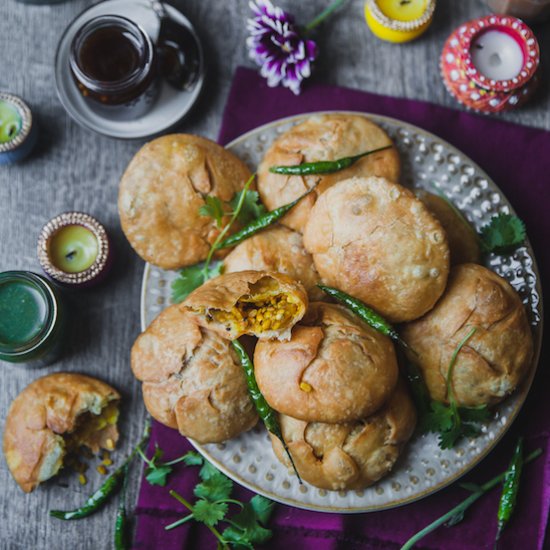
{"points": [[518, 159]]}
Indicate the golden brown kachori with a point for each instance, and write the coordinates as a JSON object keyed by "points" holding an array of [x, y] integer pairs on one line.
{"points": [[192, 379], [52, 417], [352, 455], [498, 355], [162, 191], [376, 241], [323, 137], [335, 368], [259, 303]]}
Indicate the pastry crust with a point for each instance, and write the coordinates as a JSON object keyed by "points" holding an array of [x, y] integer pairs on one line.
{"points": [[462, 238], [323, 137], [162, 191], [231, 304], [48, 409], [353, 455], [276, 249], [192, 379], [376, 241], [335, 368], [495, 359]]}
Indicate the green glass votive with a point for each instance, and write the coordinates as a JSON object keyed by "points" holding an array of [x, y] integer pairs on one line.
{"points": [[31, 319]]}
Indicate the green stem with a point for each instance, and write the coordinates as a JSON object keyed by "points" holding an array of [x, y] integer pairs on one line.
{"points": [[454, 357], [189, 506], [464, 505], [222, 234], [144, 458], [323, 15], [179, 522], [175, 461], [230, 501]]}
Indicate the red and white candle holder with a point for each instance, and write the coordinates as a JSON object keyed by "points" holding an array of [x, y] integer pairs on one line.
{"points": [[490, 64]]}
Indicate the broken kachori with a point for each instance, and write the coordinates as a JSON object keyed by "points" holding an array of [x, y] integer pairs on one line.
{"points": [[162, 190], [192, 379], [335, 368], [276, 249], [376, 241], [51, 419], [324, 137], [498, 355], [259, 303], [352, 455]]}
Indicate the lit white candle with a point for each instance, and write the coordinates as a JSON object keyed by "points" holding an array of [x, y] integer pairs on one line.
{"points": [[497, 55]]}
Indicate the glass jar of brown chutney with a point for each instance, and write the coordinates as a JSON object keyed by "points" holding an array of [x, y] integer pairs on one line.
{"points": [[113, 64]]}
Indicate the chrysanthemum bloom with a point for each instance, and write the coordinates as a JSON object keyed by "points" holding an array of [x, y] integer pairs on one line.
{"points": [[276, 45]]}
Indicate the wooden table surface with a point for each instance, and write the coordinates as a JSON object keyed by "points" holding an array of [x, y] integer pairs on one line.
{"points": [[75, 169]]}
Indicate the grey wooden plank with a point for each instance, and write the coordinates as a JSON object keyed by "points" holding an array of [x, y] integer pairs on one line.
{"points": [[76, 169]]}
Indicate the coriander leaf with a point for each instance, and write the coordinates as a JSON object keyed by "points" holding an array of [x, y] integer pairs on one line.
{"points": [[191, 278], [214, 488], [502, 233], [210, 513], [251, 208], [193, 458], [246, 527], [207, 471], [448, 438], [263, 508], [213, 208], [439, 419], [157, 475]]}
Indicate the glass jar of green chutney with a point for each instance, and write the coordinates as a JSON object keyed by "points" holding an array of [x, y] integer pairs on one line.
{"points": [[31, 319]]}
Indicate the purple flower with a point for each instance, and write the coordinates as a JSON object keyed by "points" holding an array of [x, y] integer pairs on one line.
{"points": [[276, 46]]}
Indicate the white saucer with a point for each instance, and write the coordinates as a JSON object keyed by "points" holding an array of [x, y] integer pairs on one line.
{"points": [[170, 106]]}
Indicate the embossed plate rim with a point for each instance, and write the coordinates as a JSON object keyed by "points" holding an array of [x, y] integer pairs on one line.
{"points": [[519, 397]]}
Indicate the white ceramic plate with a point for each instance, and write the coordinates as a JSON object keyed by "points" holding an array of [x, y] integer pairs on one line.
{"points": [[170, 105], [423, 468]]}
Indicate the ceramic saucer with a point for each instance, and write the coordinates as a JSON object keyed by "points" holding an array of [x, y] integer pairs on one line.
{"points": [[170, 106]]}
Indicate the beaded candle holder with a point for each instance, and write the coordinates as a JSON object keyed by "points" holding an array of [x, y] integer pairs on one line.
{"points": [[399, 21], [18, 131], [490, 64], [74, 250]]}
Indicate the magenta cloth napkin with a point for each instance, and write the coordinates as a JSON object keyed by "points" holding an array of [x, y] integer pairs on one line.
{"points": [[518, 159]]}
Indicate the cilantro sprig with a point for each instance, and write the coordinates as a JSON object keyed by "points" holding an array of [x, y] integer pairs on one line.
{"points": [[244, 529], [502, 234], [244, 206], [157, 472], [451, 422]]}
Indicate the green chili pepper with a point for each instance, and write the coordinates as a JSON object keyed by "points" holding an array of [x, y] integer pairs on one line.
{"points": [[323, 166], [109, 487], [375, 320], [265, 412], [261, 223], [510, 487], [121, 541]]}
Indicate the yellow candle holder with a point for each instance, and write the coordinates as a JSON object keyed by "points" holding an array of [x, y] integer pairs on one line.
{"points": [[396, 30], [97, 271]]}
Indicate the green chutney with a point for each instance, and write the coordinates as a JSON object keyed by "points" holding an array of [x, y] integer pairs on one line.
{"points": [[29, 318]]}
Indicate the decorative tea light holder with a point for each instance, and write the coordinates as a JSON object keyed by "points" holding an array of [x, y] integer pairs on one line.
{"points": [[490, 64], [74, 250], [399, 21], [18, 131]]}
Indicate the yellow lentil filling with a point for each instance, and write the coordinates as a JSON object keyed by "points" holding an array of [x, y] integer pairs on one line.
{"points": [[89, 424], [260, 313]]}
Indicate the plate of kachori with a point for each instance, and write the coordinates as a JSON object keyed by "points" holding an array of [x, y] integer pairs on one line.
{"points": [[378, 231]]}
